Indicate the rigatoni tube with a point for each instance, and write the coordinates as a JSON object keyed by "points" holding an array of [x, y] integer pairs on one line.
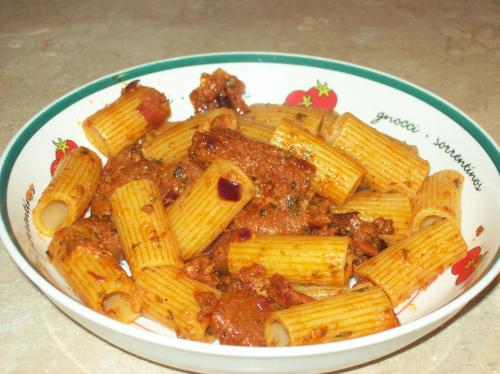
{"points": [[253, 130], [171, 143], [206, 209], [439, 197], [416, 261], [94, 273], [371, 205], [170, 298], [389, 166], [338, 175], [143, 226], [68, 195], [126, 120], [271, 115], [344, 316], [318, 292], [319, 260]]}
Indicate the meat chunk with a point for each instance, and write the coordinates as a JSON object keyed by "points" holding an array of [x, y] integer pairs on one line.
{"points": [[264, 218], [279, 177], [366, 241], [202, 269], [130, 165], [105, 231], [237, 318], [219, 90], [276, 289], [178, 177]]}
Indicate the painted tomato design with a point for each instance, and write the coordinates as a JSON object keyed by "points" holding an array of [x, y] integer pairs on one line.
{"points": [[62, 147], [466, 266], [319, 96]]}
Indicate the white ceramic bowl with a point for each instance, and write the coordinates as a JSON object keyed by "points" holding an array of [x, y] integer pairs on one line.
{"points": [[445, 136]]}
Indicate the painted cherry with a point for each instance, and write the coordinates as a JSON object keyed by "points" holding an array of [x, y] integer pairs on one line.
{"points": [[298, 98], [62, 147], [322, 96], [319, 96]]}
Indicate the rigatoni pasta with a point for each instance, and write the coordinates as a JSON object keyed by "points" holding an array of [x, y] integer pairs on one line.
{"points": [[170, 298], [372, 205], [207, 208], [416, 261], [271, 115], [144, 228], [127, 119], [170, 143], [300, 259], [318, 292], [439, 197], [389, 166], [338, 175], [68, 194], [254, 130], [344, 316], [94, 273]]}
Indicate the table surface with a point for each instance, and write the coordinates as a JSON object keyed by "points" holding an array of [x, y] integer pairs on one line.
{"points": [[48, 48]]}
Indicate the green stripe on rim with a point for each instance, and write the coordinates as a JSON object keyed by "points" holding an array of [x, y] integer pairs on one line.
{"points": [[24, 135]]}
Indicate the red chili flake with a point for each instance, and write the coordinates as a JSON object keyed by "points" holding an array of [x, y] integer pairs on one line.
{"points": [[230, 191], [98, 278], [479, 230], [244, 234], [148, 209], [131, 86]]}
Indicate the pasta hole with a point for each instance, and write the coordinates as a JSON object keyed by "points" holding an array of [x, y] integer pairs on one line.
{"points": [[223, 121], [118, 305], [54, 214], [97, 139], [276, 335], [429, 221]]}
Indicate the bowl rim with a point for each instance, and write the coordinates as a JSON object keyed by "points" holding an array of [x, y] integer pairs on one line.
{"points": [[10, 154]]}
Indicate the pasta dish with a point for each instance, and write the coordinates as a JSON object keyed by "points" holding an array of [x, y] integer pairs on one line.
{"points": [[256, 225]]}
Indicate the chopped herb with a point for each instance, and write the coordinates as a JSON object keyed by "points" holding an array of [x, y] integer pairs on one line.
{"points": [[293, 185], [292, 203], [262, 212], [179, 171]]}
